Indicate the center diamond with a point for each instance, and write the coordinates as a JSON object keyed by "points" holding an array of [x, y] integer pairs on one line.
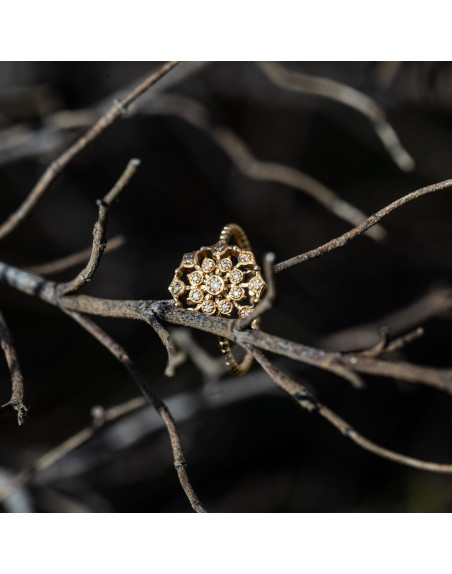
{"points": [[215, 285]]}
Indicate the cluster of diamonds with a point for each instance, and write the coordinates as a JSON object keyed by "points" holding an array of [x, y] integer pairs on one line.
{"points": [[222, 279]]}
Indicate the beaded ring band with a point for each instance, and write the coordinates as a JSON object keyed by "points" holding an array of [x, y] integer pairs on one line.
{"points": [[223, 280]]}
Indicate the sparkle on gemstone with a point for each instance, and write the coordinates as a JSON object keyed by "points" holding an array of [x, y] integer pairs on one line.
{"points": [[219, 247], [176, 288], [214, 285], [225, 307], [236, 275], [257, 284], [195, 277], [208, 307], [224, 264], [208, 264], [196, 295], [245, 257], [189, 259], [236, 293]]}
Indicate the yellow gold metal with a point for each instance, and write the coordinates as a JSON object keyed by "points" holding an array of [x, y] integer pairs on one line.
{"points": [[222, 280]]}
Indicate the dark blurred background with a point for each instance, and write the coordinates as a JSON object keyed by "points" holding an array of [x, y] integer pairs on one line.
{"points": [[249, 447]]}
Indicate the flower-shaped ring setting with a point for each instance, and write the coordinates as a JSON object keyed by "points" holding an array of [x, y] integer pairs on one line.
{"points": [[222, 280]]}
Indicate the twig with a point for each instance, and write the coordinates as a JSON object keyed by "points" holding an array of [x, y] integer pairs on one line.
{"points": [[17, 393], [72, 443], [361, 228], [112, 114], [296, 81], [309, 402], [175, 359], [187, 405], [432, 304], [253, 168], [211, 368], [64, 263], [100, 232], [386, 346], [120, 353]]}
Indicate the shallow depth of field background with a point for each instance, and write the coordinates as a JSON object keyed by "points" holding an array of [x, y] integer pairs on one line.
{"points": [[249, 448]]}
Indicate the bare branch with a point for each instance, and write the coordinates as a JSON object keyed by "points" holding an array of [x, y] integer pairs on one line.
{"points": [[211, 368], [112, 114], [120, 353], [307, 400], [64, 263], [434, 303], [362, 227], [385, 345], [298, 82], [247, 164], [17, 394], [174, 357], [100, 232], [72, 443]]}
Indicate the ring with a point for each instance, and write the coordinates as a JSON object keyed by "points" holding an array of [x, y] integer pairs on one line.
{"points": [[222, 280]]}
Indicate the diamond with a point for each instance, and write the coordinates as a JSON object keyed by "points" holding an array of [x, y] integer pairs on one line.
{"points": [[236, 276], [176, 288], [245, 311], [207, 264], [208, 307], [225, 307], [256, 284], [196, 295]]}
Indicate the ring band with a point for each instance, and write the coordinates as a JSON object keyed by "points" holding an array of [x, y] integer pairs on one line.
{"points": [[232, 229], [225, 280]]}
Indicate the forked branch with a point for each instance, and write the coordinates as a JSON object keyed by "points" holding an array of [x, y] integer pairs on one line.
{"points": [[308, 401], [122, 356], [116, 110], [17, 393], [100, 232]]}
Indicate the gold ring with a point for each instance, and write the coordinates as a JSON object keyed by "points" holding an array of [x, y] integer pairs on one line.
{"points": [[222, 280]]}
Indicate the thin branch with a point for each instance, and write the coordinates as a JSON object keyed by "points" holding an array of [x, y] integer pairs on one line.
{"points": [[112, 114], [404, 340], [175, 358], [434, 303], [188, 405], [211, 368], [309, 402], [120, 353], [385, 345], [64, 263], [253, 168], [361, 228], [298, 82], [101, 418], [17, 381], [100, 232]]}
